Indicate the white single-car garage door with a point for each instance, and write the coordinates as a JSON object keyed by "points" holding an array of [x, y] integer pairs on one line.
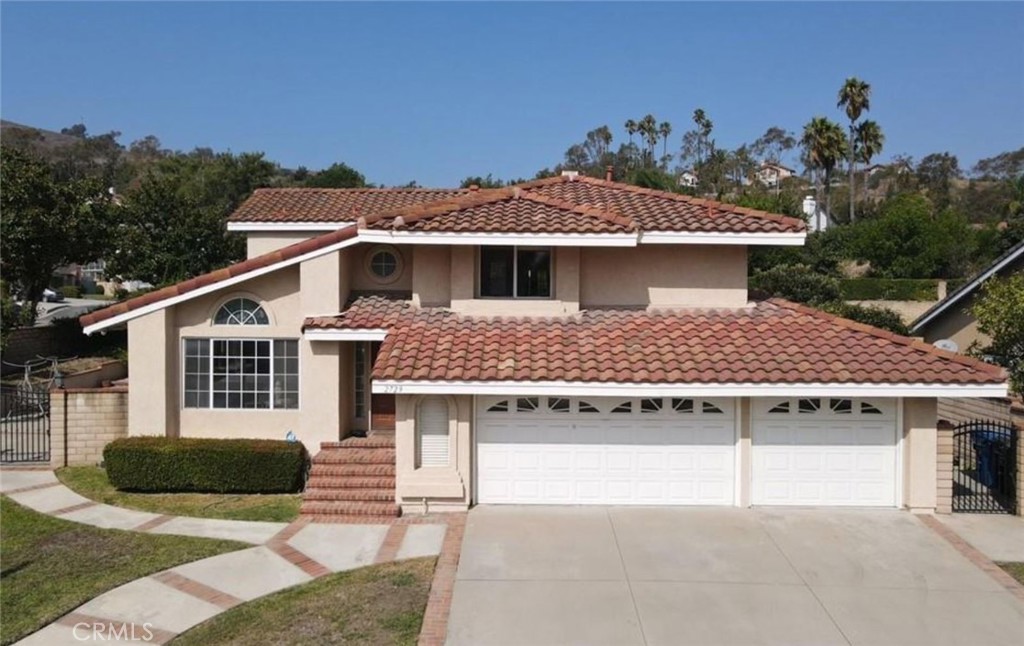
{"points": [[605, 451], [824, 451]]}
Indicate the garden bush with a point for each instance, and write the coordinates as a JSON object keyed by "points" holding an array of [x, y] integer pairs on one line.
{"points": [[70, 291], [160, 464], [797, 283], [889, 289], [877, 316]]}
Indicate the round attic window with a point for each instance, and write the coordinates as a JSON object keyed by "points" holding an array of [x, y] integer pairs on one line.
{"points": [[384, 264]]}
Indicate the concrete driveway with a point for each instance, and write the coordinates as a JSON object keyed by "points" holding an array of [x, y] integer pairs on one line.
{"points": [[626, 575]]}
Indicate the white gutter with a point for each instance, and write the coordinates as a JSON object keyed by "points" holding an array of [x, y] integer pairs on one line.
{"points": [[484, 239], [711, 238], [596, 389], [314, 334], [285, 227]]}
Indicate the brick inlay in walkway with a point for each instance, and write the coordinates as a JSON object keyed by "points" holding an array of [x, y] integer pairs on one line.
{"points": [[68, 510], [196, 589], [154, 523], [392, 543], [974, 555], [434, 630], [45, 485]]}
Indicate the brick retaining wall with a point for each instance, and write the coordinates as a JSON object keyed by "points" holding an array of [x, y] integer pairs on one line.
{"points": [[95, 417]]}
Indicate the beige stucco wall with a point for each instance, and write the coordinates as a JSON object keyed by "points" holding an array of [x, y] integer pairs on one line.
{"points": [[664, 276], [920, 454], [431, 282], [363, 280], [153, 403], [259, 243], [420, 490]]}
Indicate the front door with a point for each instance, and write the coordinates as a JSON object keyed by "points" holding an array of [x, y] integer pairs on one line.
{"points": [[372, 411]]}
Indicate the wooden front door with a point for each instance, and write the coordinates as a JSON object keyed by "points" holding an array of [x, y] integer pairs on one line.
{"points": [[382, 407]]}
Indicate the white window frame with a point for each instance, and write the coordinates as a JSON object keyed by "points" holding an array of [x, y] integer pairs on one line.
{"points": [[515, 275], [209, 387]]}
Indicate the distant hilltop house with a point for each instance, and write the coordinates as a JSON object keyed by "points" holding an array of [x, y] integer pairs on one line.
{"points": [[771, 174], [899, 168], [688, 179]]}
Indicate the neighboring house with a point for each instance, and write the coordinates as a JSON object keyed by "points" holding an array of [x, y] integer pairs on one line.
{"points": [[898, 168], [564, 341], [951, 320], [771, 174], [688, 179]]}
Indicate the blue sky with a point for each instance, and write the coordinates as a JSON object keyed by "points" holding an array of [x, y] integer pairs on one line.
{"points": [[436, 92]]}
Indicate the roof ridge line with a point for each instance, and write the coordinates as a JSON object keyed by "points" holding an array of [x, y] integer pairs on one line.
{"points": [[697, 201], [583, 209], [878, 332], [416, 212]]}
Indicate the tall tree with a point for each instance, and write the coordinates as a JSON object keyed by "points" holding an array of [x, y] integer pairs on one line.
{"points": [[936, 173], [770, 146], [631, 129], [867, 143], [664, 130], [855, 98], [824, 146], [45, 222]]}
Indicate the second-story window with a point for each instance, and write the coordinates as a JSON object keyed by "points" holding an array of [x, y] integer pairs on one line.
{"points": [[515, 272]]}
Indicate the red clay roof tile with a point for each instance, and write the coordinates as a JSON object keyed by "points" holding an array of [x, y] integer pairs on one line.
{"points": [[332, 204], [772, 342]]}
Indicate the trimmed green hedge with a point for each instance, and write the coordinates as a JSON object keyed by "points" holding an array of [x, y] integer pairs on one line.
{"points": [[889, 289], [70, 291], [160, 464]]}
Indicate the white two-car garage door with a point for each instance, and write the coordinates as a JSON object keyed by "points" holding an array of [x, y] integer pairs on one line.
{"points": [[605, 451], [824, 451]]}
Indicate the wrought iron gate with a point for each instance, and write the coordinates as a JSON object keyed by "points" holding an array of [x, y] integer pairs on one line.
{"points": [[24, 425], [984, 467]]}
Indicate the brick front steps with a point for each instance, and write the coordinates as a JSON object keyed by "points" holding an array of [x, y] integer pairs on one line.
{"points": [[352, 478]]}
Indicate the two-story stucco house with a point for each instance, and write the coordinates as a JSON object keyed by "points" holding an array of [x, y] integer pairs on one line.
{"points": [[564, 341]]}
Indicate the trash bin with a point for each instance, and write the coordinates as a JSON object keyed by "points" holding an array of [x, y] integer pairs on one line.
{"points": [[986, 443]]}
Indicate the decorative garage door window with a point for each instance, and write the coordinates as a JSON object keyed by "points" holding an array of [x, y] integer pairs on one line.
{"points": [[432, 422], [241, 373], [646, 407], [810, 407], [241, 311]]}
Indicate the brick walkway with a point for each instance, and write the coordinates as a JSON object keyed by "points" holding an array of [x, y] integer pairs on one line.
{"points": [[161, 606]]}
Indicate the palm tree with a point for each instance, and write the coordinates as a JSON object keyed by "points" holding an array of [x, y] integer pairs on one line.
{"points": [[664, 130], [855, 97], [868, 142], [824, 145], [648, 128], [631, 128]]}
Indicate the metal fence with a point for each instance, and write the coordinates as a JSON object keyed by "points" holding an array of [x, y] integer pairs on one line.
{"points": [[984, 467], [24, 425]]}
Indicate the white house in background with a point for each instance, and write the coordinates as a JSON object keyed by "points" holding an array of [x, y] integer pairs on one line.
{"points": [[688, 179], [817, 218], [770, 173]]}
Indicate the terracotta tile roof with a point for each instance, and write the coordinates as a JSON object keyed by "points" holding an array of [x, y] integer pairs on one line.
{"points": [[332, 204], [507, 210], [654, 210], [772, 342], [554, 205], [231, 271], [376, 312]]}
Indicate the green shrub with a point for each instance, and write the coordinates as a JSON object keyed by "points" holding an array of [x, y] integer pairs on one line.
{"points": [[70, 291], [889, 289], [796, 283], [881, 317], [160, 464]]}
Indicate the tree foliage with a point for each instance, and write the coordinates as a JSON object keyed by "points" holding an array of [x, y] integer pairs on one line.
{"points": [[338, 175], [173, 225], [1000, 315], [45, 222], [798, 283]]}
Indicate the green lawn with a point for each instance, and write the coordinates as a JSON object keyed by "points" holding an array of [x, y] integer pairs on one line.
{"points": [[92, 483], [51, 566], [1016, 570], [376, 605]]}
